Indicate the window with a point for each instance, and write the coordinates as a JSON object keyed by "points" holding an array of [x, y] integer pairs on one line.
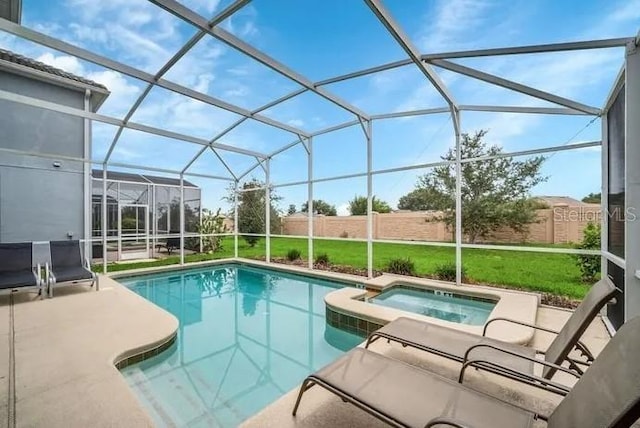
{"points": [[616, 176]]}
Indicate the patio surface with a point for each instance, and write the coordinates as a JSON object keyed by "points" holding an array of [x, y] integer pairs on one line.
{"points": [[57, 356], [57, 363]]}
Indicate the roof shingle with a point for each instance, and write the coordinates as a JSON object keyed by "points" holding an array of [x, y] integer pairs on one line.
{"points": [[40, 66]]}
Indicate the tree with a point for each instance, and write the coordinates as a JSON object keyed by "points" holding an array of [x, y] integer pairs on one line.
{"points": [[495, 191], [358, 205], [292, 209], [320, 207], [592, 198], [419, 199], [251, 210]]}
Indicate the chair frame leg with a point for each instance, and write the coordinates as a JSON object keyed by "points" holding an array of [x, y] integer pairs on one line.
{"points": [[306, 385]]}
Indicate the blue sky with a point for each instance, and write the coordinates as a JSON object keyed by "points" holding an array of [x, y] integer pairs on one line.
{"points": [[325, 38]]}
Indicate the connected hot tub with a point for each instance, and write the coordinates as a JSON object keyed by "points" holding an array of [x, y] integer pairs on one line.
{"points": [[444, 305]]}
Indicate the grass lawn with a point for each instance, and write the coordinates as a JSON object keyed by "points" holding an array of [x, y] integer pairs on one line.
{"points": [[544, 272]]}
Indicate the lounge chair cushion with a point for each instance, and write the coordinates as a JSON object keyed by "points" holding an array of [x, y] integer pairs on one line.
{"points": [[9, 280], [454, 343], [75, 273], [412, 396]]}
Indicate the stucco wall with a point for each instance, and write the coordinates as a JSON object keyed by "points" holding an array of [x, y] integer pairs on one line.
{"points": [[37, 200], [557, 225]]}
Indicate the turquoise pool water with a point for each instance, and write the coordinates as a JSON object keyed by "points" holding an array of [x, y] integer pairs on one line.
{"points": [[438, 304], [247, 336]]}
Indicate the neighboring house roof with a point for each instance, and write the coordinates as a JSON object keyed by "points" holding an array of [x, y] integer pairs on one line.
{"points": [[140, 178], [18, 63], [557, 200]]}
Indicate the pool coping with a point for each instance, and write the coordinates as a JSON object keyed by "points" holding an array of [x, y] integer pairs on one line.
{"points": [[343, 278]]}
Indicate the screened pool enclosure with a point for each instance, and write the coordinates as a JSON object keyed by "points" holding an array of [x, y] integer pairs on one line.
{"points": [[132, 217], [143, 211]]}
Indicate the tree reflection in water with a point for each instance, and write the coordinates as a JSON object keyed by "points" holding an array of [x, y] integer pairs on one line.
{"points": [[215, 282], [254, 286]]}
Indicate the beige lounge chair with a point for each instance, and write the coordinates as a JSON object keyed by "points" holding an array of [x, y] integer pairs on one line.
{"points": [[607, 395], [506, 359]]}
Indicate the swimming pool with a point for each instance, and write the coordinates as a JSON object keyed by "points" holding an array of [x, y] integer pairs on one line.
{"points": [[246, 337], [437, 304]]}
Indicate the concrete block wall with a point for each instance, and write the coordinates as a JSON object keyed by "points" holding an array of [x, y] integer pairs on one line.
{"points": [[560, 224]]}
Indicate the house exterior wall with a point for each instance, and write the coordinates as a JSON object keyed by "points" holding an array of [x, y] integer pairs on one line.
{"points": [[558, 225], [38, 201]]}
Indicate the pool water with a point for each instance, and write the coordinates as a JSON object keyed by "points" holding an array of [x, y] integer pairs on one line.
{"points": [[437, 304], [247, 336]]}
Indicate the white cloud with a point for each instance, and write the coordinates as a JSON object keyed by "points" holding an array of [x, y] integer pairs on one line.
{"points": [[452, 24], [91, 34], [67, 63], [122, 91], [248, 29], [343, 209], [208, 6], [141, 43], [421, 97], [203, 82], [238, 71], [242, 23], [132, 31], [238, 91], [628, 11], [296, 122]]}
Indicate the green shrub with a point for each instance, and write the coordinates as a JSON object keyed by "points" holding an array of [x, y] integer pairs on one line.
{"points": [[401, 266], [322, 259], [589, 265], [210, 223], [293, 254], [447, 272], [251, 240]]}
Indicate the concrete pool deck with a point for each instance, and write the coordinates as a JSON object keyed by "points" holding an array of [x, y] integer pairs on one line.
{"points": [[58, 355], [57, 365]]}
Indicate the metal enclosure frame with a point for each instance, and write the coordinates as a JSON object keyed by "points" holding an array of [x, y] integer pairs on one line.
{"points": [[425, 63]]}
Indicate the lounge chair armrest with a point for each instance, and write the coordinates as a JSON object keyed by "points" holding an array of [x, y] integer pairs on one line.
{"points": [[48, 273], [580, 346], [478, 363], [537, 327], [533, 380], [443, 420], [37, 270], [517, 355]]}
